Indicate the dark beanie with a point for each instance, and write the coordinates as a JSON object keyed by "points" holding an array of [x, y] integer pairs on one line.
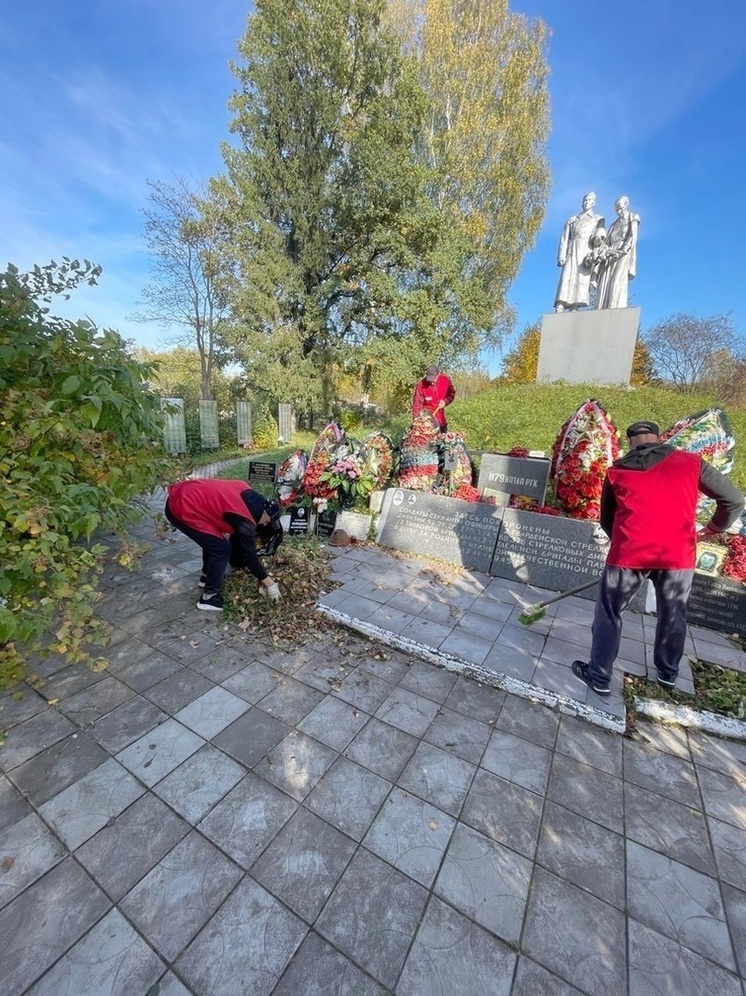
{"points": [[255, 503], [643, 428]]}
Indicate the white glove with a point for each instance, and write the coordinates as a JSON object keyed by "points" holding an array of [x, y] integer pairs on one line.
{"points": [[272, 592]]}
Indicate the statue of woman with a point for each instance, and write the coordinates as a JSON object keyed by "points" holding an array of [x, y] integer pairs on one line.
{"points": [[575, 280], [618, 258]]}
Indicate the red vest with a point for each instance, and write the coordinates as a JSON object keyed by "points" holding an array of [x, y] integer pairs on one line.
{"points": [[655, 519], [201, 504]]}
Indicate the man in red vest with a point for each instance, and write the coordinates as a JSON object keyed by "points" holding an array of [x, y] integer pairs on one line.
{"points": [[432, 394], [649, 509], [223, 518]]}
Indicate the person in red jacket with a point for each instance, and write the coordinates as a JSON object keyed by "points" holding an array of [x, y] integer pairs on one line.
{"points": [[432, 394], [223, 518], [649, 510]]}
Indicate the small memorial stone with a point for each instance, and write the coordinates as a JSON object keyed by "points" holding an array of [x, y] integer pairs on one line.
{"points": [[500, 474], [325, 523], [262, 472], [298, 520], [717, 603]]}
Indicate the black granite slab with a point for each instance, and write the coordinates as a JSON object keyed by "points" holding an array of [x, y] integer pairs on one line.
{"points": [[262, 472], [503, 474], [717, 603]]}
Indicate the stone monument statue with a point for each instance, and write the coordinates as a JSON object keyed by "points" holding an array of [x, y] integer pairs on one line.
{"points": [[574, 248], [615, 260]]}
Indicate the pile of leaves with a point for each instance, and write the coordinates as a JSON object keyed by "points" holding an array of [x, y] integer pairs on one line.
{"points": [[301, 566], [720, 690]]}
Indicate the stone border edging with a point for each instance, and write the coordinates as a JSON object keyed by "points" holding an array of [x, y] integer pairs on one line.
{"points": [[450, 662], [707, 722]]}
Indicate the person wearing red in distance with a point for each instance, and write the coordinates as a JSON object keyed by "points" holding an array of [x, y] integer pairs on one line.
{"points": [[432, 394]]}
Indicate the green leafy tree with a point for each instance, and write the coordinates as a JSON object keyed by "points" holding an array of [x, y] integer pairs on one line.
{"points": [[521, 364], [79, 440]]}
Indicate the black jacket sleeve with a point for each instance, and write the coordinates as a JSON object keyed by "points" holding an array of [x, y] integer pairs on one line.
{"points": [[243, 545], [728, 497], [608, 507]]}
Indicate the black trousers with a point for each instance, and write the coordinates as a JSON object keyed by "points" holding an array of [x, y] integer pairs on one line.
{"points": [[215, 552], [619, 585]]}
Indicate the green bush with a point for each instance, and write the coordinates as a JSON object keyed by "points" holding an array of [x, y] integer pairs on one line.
{"points": [[264, 431], [79, 440]]}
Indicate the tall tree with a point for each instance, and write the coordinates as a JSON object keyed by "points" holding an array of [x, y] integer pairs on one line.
{"points": [[188, 238], [683, 346]]}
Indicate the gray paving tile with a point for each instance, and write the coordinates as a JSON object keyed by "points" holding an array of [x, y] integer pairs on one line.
{"points": [[199, 783], [735, 911], [253, 682], [127, 650], [303, 863], [459, 735], [438, 777], [407, 711], [668, 827], [426, 632], [44, 921], [659, 771], [97, 700], [429, 681], [317, 969], [363, 690], [411, 835], [590, 744], [212, 712], [660, 965], [180, 894], [20, 705], [247, 819], [562, 651], [391, 617], [250, 737], [728, 756], [112, 958], [348, 797], [514, 663], [729, 844], [28, 849], [221, 663], [296, 764], [474, 699], [333, 722], [190, 647], [382, 748], [13, 807], [466, 646], [131, 844], [533, 980], [245, 947], [485, 881], [386, 664], [149, 671], [518, 760], [178, 690], [71, 679], [83, 808], [725, 798], [679, 902], [670, 739], [587, 791], [58, 766], [126, 724], [291, 700], [372, 916], [169, 985], [504, 812], [324, 672], [584, 853], [576, 936], [32, 737], [521, 638], [156, 754], [450, 949], [485, 626]]}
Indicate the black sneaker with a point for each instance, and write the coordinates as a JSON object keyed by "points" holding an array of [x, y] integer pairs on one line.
{"points": [[669, 683], [202, 580], [580, 670], [210, 603]]}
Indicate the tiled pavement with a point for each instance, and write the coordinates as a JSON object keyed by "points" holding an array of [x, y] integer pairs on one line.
{"points": [[212, 815]]}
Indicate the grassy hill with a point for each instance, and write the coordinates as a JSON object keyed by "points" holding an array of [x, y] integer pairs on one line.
{"points": [[531, 415]]}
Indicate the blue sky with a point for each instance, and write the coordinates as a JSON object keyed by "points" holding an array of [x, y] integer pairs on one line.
{"points": [[648, 100]]}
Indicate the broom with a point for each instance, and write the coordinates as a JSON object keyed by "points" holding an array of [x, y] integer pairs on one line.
{"points": [[535, 612]]}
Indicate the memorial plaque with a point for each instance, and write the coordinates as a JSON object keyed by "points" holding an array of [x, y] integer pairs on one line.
{"points": [[243, 423], [298, 520], [355, 524], [459, 532], [717, 603], [500, 474], [549, 551], [285, 422], [208, 425], [325, 522], [262, 472], [174, 425]]}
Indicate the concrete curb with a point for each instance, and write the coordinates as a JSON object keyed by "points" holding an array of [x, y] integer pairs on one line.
{"points": [[707, 722]]}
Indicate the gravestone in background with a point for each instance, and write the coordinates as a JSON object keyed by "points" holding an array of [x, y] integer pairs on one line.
{"points": [[208, 425], [549, 551], [500, 474], [325, 522], [262, 472], [718, 604], [298, 524], [588, 347], [285, 422], [243, 423], [174, 425], [459, 532]]}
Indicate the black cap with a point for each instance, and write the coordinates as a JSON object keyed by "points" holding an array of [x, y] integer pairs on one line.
{"points": [[643, 428]]}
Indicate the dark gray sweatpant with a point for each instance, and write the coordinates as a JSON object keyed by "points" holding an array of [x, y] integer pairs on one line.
{"points": [[617, 589]]}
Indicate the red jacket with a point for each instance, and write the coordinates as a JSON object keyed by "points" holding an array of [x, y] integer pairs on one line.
{"points": [[202, 504], [427, 396]]}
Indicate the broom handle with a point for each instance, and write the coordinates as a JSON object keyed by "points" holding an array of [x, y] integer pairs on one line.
{"points": [[566, 594]]}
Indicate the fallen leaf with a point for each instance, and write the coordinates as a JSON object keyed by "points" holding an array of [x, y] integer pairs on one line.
{"points": [[7, 863]]}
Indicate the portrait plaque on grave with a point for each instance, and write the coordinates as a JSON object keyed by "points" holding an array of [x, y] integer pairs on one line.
{"points": [[717, 603], [449, 529], [500, 474], [262, 472], [549, 551], [298, 520], [325, 523]]}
